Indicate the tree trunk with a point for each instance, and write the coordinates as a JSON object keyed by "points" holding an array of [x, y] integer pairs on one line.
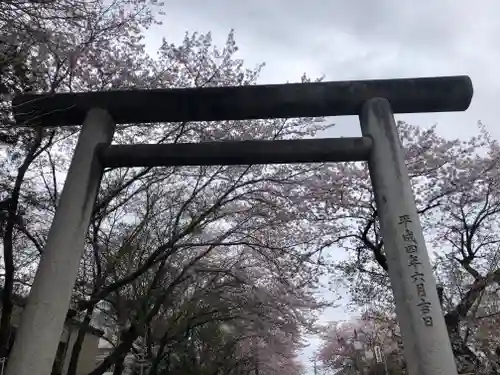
{"points": [[118, 354], [77, 346], [159, 355], [8, 245], [129, 336], [465, 358], [119, 366]]}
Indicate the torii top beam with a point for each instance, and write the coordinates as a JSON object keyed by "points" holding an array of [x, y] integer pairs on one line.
{"points": [[410, 95]]}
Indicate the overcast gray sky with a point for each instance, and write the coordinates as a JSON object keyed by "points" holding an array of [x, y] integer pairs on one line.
{"points": [[355, 39]]}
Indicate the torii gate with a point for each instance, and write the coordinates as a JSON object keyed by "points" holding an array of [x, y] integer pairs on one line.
{"points": [[427, 346]]}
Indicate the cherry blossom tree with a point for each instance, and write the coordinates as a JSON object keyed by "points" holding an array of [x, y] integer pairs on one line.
{"points": [[205, 252], [47, 46], [152, 226], [236, 328], [456, 188], [349, 345]]}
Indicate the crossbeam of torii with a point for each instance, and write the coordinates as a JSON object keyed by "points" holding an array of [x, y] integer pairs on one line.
{"points": [[427, 346]]}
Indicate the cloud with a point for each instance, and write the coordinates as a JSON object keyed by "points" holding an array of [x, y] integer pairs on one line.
{"points": [[359, 40]]}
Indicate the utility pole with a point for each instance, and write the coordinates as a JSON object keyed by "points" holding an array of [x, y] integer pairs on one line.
{"points": [[425, 337]]}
